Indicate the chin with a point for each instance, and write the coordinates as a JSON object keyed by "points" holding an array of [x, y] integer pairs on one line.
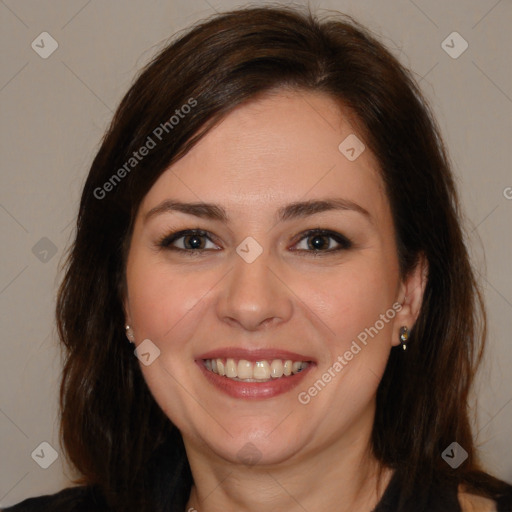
{"points": [[258, 445]]}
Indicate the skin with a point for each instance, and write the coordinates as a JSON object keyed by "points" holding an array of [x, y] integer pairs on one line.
{"points": [[265, 154]]}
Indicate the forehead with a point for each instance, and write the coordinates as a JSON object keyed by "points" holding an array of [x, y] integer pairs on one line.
{"points": [[281, 148]]}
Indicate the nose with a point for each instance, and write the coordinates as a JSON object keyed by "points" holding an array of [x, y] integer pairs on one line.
{"points": [[254, 296]]}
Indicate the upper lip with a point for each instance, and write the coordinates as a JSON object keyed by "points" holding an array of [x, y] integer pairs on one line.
{"points": [[254, 355]]}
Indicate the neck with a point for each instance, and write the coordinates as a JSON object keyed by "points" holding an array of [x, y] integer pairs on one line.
{"points": [[342, 476]]}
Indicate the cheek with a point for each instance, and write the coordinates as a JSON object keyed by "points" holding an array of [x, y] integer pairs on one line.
{"points": [[353, 298], [162, 299], [356, 305], [164, 307]]}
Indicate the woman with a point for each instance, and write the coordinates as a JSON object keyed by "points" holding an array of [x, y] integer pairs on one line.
{"points": [[271, 221]]}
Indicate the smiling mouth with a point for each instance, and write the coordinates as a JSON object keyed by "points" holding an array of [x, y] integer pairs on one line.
{"points": [[242, 370]]}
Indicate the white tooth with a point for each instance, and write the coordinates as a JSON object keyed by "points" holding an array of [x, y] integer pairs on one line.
{"points": [[244, 369], [214, 366], [296, 367], [262, 370], [287, 369], [208, 364], [220, 367], [276, 368], [230, 368]]}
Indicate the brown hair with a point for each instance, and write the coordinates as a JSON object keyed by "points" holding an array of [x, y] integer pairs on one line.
{"points": [[110, 423]]}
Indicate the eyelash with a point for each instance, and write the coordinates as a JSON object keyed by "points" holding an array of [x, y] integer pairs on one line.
{"points": [[166, 241]]}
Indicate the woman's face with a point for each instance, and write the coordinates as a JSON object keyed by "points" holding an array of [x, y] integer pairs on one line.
{"points": [[263, 291]]}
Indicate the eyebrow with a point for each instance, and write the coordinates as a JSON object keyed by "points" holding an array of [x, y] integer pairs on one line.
{"points": [[295, 210]]}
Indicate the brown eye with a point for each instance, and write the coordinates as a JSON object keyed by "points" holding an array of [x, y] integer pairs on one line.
{"points": [[321, 241], [190, 240]]}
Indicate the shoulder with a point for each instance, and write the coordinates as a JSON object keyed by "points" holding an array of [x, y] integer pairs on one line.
{"points": [[72, 499], [501, 501], [474, 503]]}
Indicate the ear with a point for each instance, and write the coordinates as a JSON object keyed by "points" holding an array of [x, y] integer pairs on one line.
{"points": [[410, 296]]}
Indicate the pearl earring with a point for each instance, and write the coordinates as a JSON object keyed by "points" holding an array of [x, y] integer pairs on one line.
{"points": [[129, 334], [404, 336]]}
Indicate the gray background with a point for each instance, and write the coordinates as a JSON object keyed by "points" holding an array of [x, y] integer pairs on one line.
{"points": [[55, 110]]}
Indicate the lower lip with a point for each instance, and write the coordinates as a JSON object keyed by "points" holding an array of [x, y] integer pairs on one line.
{"points": [[254, 390]]}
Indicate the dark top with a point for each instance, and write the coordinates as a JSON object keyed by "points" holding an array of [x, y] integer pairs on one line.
{"points": [[171, 481]]}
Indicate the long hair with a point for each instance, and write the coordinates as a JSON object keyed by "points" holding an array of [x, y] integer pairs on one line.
{"points": [[110, 423]]}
